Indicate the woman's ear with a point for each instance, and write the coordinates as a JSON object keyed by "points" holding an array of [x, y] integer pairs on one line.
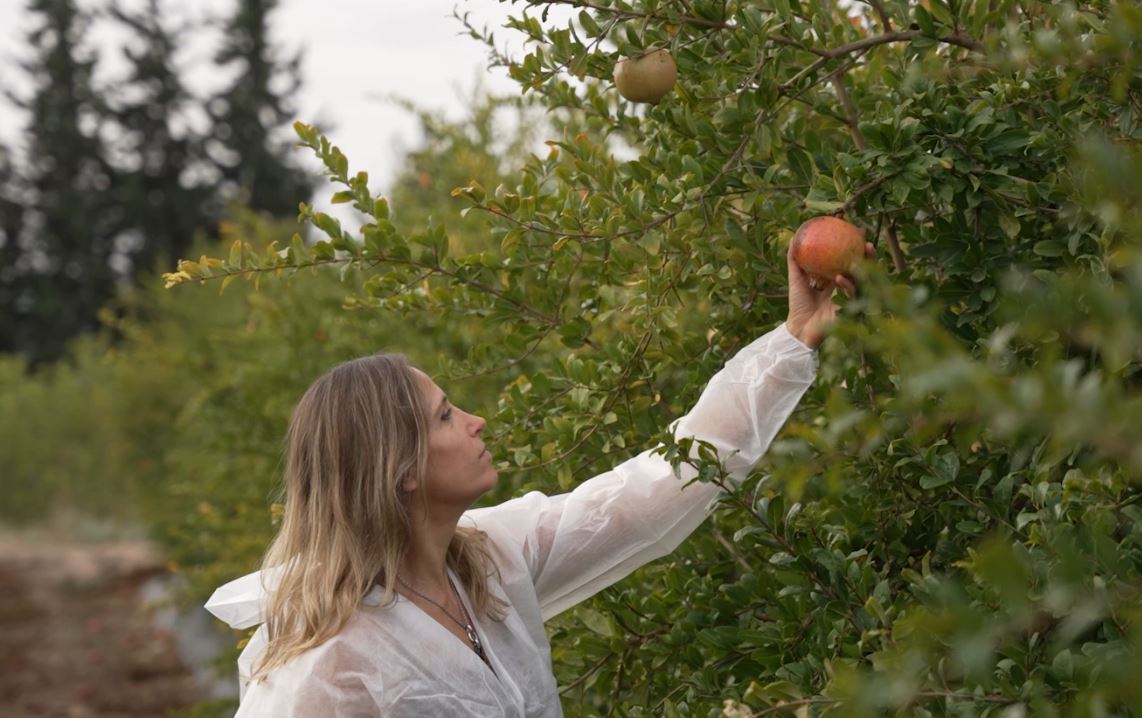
{"points": [[409, 484]]}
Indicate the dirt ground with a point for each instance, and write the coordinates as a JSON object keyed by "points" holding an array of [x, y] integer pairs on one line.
{"points": [[76, 638]]}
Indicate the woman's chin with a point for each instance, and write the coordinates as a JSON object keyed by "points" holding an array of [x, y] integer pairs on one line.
{"points": [[490, 483]]}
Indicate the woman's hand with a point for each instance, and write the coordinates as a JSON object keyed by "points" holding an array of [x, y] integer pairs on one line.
{"points": [[812, 310]]}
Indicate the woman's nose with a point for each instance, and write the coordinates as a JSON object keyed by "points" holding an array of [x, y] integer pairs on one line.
{"points": [[478, 424]]}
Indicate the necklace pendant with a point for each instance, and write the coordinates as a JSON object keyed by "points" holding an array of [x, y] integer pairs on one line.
{"points": [[473, 638]]}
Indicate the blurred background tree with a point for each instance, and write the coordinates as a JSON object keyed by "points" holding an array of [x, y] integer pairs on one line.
{"points": [[112, 179], [248, 142], [168, 187], [66, 242]]}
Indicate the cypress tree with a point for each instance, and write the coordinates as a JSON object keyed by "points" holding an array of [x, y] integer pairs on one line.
{"points": [[250, 143], [13, 280], [163, 197], [71, 220]]}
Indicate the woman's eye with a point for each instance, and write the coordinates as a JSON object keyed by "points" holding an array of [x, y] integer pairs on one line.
{"points": [[447, 415]]}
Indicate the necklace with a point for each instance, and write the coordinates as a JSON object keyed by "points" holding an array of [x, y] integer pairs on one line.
{"points": [[466, 624]]}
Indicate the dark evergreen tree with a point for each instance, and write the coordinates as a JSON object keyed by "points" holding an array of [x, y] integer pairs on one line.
{"points": [[164, 192], [71, 221], [251, 116], [14, 292]]}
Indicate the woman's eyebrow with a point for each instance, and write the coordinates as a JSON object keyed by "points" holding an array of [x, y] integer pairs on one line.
{"points": [[443, 401]]}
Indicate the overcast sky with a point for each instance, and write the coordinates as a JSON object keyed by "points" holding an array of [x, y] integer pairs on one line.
{"points": [[356, 52]]}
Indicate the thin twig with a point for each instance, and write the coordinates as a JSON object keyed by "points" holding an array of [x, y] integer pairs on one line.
{"points": [[958, 39], [729, 547], [583, 678], [898, 260], [880, 11], [851, 115], [863, 190]]}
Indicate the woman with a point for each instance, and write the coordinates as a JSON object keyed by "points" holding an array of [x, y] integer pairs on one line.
{"points": [[384, 595]]}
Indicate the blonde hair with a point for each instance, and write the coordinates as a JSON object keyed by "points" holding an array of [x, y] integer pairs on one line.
{"points": [[355, 436]]}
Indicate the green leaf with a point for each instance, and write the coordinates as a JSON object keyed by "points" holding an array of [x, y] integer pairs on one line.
{"points": [[1003, 489], [1050, 248], [227, 281], [941, 12], [328, 224], [235, 254], [298, 251], [945, 469], [900, 191], [1010, 225], [781, 558], [596, 622], [574, 332], [588, 24], [1008, 141], [924, 20], [800, 164], [823, 205], [1063, 665]]}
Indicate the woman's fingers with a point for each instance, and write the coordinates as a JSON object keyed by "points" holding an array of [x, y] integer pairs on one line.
{"points": [[845, 282], [846, 285]]}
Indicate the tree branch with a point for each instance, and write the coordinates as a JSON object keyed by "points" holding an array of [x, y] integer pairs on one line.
{"points": [[898, 260], [889, 37], [863, 190], [881, 13], [851, 115]]}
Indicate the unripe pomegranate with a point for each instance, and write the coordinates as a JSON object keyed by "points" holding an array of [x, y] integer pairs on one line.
{"points": [[646, 78], [827, 246]]}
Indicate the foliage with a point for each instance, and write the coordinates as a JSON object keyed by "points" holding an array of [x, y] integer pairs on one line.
{"points": [[55, 429], [949, 524]]}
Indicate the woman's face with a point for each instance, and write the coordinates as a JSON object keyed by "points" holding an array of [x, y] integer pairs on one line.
{"points": [[460, 468]]}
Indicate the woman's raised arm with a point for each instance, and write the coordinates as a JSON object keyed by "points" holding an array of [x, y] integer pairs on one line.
{"points": [[578, 543]]}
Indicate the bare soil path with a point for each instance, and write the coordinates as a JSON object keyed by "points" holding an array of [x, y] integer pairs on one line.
{"points": [[76, 638]]}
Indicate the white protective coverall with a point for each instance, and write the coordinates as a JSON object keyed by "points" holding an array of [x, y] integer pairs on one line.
{"points": [[552, 552]]}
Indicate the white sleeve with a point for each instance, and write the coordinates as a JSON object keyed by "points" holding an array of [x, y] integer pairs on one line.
{"points": [[578, 543]]}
